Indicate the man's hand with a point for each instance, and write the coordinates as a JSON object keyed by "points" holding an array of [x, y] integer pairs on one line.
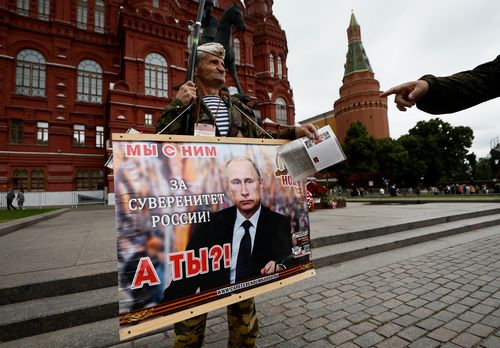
{"points": [[270, 268], [407, 94], [187, 93], [307, 130]]}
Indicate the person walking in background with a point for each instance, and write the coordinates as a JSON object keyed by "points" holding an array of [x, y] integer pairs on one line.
{"points": [[20, 198], [442, 95], [10, 198]]}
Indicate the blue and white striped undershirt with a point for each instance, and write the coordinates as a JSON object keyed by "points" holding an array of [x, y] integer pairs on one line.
{"points": [[220, 111]]}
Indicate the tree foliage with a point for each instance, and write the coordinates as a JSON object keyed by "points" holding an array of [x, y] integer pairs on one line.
{"points": [[483, 169], [360, 149], [438, 149], [392, 159], [432, 152]]}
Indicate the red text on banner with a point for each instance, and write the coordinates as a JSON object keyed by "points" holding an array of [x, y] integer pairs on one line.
{"points": [[217, 255]]}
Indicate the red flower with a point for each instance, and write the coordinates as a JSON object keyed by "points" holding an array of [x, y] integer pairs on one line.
{"points": [[316, 189]]}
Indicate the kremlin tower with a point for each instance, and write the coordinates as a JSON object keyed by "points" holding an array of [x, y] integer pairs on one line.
{"points": [[359, 95]]}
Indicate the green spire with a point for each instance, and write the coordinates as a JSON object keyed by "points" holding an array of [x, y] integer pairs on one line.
{"points": [[354, 22], [356, 59]]}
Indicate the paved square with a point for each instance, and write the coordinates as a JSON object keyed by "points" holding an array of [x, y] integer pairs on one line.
{"points": [[447, 296]]}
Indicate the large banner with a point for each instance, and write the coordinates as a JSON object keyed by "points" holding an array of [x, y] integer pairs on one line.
{"points": [[203, 222]]}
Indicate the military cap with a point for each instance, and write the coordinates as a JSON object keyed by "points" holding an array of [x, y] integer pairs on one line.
{"points": [[213, 48]]}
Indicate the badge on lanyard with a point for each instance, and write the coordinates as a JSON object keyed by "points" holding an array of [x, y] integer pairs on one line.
{"points": [[204, 129]]}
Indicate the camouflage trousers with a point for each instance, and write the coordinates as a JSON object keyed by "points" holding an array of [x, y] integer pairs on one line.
{"points": [[241, 321]]}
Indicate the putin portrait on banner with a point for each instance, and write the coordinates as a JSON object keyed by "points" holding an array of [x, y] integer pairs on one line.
{"points": [[260, 239]]}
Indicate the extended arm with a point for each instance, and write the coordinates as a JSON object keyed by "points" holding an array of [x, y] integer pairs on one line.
{"points": [[441, 95], [462, 90]]}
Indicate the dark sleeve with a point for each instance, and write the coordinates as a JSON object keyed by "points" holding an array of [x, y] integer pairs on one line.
{"points": [[461, 90], [168, 115], [286, 133]]}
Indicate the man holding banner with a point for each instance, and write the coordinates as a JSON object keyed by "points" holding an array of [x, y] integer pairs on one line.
{"points": [[204, 107], [213, 111]]}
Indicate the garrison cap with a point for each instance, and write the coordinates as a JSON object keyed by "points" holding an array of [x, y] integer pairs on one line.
{"points": [[213, 48]]}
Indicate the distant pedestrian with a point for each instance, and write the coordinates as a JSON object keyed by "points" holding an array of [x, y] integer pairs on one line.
{"points": [[10, 198], [392, 190], [20, 198]]}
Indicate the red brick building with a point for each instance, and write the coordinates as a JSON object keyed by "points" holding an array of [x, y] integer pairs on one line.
{"points": [[74, 72]]}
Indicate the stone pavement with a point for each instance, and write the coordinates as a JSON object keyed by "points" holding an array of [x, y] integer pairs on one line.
{"points": [[443, 292], [449, 297]]}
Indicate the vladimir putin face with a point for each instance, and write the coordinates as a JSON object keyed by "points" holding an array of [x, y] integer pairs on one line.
{"points": [[245, 186]]}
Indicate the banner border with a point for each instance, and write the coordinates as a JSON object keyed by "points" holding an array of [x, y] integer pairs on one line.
{"points": [[195, 139], [162, 322]]}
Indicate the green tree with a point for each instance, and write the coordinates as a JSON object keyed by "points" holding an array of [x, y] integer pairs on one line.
{"points": [[392, 158], [437, 150], [483, 170], [415, 169], [360, 149], [495, 161]]}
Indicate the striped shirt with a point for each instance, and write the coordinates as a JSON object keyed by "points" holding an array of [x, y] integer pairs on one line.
{"points": [[220, 111]]}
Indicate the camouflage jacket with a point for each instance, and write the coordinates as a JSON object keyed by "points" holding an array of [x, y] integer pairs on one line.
{"points": [[461, 90], [239, 124]]}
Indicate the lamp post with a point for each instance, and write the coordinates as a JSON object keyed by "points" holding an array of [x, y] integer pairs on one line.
{"points": [[495, 185]]}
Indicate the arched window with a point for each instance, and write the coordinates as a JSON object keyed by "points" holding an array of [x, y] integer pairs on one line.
{"points": [[82, 180], [20, 178], [156, 75], [30, 73], [237, 53], [89, 179], [37, 180], [89, 84], [280, 68], [30, 179], [271, 65], [281, 116]]}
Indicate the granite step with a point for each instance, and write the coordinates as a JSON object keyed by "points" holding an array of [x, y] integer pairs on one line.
{"points": [[344, 251], [102, 333], [54, 282], [379, 231], [48, 314]]}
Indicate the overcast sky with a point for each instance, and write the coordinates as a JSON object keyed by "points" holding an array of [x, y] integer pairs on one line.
{"points": [[403, 40]]}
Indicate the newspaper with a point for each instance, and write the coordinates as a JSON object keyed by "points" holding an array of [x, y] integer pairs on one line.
{"points": [[109, 162], [304, 157]]}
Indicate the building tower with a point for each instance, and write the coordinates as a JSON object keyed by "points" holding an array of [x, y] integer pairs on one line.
{"points": [[359, 95], [270, 51]]}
